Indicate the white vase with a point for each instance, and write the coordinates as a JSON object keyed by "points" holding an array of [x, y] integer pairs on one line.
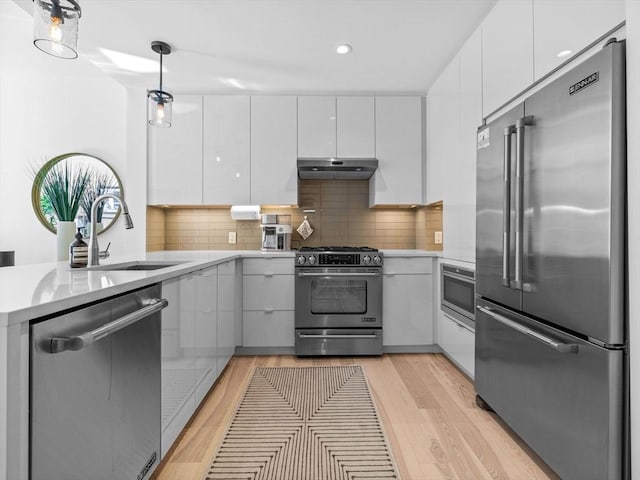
{"points": [[64, 236]]}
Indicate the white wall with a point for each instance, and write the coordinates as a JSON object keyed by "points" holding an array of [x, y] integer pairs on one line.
{"points": [[50, 106], [633, 215]]}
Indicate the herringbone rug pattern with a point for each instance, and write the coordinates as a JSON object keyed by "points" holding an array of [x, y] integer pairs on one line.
{"points": [[305, 423]]}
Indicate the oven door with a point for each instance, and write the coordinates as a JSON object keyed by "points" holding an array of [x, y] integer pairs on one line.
{"points": [[338, 297]]}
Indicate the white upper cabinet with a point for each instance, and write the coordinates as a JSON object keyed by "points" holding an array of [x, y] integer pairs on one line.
{"points": [[316, 127], [399, 149], [443, 125], [355, 127], [274, 174], [507, 52], [226, 158], [470, 120], [175, 156], [568, 26]]}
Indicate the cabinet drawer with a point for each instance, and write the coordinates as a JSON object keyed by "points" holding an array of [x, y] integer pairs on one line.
{"points": [[458, 342], [407, 265], [268, 293], [268, 266], [275, 329]]}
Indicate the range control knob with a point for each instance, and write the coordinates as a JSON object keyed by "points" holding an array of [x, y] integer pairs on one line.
{"points": [[301, 260], [312, 259], [377, 260], [366, 260]]}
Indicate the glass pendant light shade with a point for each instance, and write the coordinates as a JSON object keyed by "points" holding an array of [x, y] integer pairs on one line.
{"points": [[159, 102], [159, 108], [55, 27]]}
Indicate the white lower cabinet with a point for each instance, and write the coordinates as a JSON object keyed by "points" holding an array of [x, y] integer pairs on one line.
{"points": [[226, 313], [268, 302], [198, 339], [407, 301], [206, 331], [177, 358], [458, 342]]}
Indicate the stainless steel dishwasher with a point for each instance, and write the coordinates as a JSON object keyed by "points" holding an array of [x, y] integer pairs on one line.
{"points": [[95, 390]]}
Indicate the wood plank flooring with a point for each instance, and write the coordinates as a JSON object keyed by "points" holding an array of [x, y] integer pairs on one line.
{"points": [[427, 407]]}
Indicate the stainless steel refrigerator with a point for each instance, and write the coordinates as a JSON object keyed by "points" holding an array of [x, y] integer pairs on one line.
{"points": [[550, 273]]}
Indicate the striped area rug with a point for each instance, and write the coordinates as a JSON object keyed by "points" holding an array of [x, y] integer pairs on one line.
{"points": [[305, 423]]}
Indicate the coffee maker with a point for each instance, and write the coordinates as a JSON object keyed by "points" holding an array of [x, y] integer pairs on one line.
{"points": [[275, 236]]}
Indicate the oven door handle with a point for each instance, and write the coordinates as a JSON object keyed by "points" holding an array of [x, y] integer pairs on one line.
{"points": [[339, 274], [306, 335]]}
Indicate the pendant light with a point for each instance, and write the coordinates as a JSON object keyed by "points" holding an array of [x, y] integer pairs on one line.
{"points": [[55, 27], [159, 101]]}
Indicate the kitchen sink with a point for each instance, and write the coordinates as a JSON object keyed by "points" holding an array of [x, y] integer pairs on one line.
{"points": [[136, 265]]}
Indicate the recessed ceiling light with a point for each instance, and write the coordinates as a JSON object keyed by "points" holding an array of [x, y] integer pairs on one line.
{"points": [[343, 49], [564, 53]]}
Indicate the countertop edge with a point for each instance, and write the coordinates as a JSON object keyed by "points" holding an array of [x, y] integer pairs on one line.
{"points": [[108, 284]]}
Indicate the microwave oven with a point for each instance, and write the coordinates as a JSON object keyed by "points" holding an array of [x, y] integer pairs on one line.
{"points": [[457, 298]]}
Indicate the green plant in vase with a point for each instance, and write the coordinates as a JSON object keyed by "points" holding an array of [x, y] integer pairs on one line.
{"points": [[63, 189]]}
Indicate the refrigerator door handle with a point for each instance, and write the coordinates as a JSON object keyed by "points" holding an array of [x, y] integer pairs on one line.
{"points": [[558, 346], [506, 208], [520, 127]]}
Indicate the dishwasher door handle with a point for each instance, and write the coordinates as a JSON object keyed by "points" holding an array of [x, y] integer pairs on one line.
{"points": [[550, 342], [78, 342]]}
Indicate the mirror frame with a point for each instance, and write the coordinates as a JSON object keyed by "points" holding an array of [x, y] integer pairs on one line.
{"points": [[42, 172]]}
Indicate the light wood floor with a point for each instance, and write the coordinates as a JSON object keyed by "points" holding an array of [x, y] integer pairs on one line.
{"points": [[427, 407]]}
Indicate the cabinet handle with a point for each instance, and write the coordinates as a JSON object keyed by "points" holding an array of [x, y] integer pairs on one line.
{"points": [[268, 275], [268, 309]]}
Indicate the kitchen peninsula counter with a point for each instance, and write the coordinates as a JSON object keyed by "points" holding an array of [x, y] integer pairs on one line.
{"points": [[31, 292]]}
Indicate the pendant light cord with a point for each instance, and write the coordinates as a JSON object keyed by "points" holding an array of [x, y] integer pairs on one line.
{"points": [[161, 72]]}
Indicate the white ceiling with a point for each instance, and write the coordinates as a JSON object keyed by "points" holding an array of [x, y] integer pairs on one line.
{"points": [[277, 46]]}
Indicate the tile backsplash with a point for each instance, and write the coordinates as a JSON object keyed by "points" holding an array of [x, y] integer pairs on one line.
{"points": [[338, 211]]}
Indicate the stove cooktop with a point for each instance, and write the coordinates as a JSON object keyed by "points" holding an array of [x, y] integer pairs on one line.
{"points": [[325, 256]]}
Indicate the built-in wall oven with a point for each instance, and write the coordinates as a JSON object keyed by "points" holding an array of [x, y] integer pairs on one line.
{"points": [[338, 301], [458, 287]]}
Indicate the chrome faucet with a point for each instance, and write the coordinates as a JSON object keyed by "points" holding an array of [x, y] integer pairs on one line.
{"points": [[94, 249]]}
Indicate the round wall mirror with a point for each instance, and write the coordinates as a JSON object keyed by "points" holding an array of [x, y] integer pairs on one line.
{"points": [[66, 186]]}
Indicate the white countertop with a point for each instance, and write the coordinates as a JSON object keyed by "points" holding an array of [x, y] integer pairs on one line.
{"points": [[33, 291]]}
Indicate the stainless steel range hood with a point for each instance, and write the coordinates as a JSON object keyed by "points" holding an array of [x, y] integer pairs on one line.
{"points": [[336, 168]]}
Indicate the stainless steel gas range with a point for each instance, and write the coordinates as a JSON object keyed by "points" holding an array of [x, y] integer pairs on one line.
{"points": [[338, 293]]}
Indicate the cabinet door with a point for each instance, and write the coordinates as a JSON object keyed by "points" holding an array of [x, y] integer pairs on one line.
{"points": [[458, 342], [274, 174], [443, 139], [177, 394], [268, 292], [206, 341], [316, 127], [226, 313], [356, 127], [398, 179], [269, 329], [507, 52], [464, 173], [407, 309], [569, 26], [175, 156], [226, 158]]}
